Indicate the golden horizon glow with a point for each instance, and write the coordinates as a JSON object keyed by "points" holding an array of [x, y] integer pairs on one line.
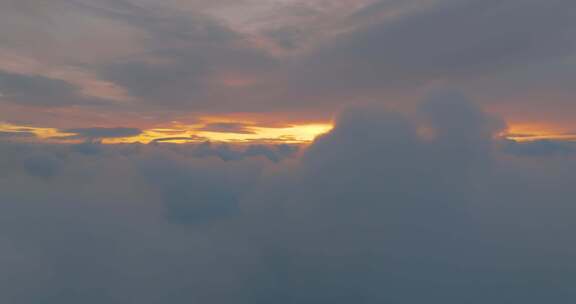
{"points": [[252, 132], [300, 133], [526, 132]]}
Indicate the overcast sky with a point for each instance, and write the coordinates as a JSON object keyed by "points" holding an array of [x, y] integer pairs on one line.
{"points": [[144, 63], [287, 151]]}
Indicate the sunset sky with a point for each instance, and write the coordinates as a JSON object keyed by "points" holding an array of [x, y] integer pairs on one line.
{"points": [[287, 151], [288, 64]]}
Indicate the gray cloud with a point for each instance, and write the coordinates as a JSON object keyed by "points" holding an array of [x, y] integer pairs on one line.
{"points": [[173, 82], [41, 91], [385, 216], [498, 50], [372, 212], [193, 195], [184, 58], [42, 165], [16, 134], [275, 153], [395, 217], [453, 39], [183, 54], [542, 148], [226, 152]]}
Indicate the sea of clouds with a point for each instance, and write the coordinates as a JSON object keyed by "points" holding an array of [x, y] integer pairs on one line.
{"points": [[425, 207]]}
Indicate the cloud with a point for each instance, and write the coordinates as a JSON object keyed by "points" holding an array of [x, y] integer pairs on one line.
{"points": [[226, 152], [275, 153], [194, 194], [183, 56], [393, 56], [100, 133], [452, 39], [390, 215], [388, 207], [541, 148], [42, 165], [63, 33], [33, 90], [177, 81], [16, 134], [294, 55]]}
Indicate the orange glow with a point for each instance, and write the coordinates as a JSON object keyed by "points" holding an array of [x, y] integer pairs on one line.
{"points": [[252, 132], [295, 134], [178, 133], [41, 133], [524, 132]]}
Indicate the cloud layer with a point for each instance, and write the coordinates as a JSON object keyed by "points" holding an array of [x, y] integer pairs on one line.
{"points": [[375, 211]]}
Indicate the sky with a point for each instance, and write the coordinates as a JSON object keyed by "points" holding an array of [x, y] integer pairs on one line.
{"points": [[287, 151], [180, 66]]}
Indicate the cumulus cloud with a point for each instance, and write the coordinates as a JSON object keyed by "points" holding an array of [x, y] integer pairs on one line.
{"points": [[227, 152], [194, 194], [373, 211], [42, 165]]}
